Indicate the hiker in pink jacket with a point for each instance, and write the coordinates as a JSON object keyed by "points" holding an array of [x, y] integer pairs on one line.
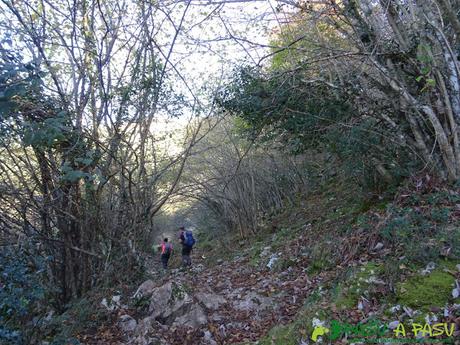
{"points": [[166, 250]]}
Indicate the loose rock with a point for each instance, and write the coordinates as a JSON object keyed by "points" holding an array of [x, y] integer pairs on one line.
{"points": [[145, 289], [127, 324], [194, 318]]}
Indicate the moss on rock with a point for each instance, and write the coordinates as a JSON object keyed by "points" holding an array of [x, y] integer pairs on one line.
{"points": [[424, 291]]}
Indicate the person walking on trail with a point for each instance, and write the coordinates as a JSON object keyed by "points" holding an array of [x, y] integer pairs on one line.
{"points": [[187, 241], [166, 250]]}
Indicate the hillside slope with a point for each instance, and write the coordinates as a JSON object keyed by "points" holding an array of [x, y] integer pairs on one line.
{"points": [[329, 259]]}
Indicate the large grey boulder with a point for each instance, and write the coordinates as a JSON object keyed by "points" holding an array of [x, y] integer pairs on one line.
{"points": [[172, 304], [159, 300], [168, 301], [194, 317]]}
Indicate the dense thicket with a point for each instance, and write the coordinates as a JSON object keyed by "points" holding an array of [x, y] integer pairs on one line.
{"points": [[376, 82], [83, 172]]}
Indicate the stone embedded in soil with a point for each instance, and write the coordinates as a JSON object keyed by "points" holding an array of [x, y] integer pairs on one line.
{"points": [[170, 304], [210, 301], [208, 338], [159, 299], [393, 324], [378, 246], [195, 317], [145, 289], [144, 326], [253, 302], [127, 324]]}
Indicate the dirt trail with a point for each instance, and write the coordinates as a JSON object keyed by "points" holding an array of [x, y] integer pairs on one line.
{"points": [[242, 301]]}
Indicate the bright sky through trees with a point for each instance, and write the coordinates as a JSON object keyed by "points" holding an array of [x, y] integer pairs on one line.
{"points": [[217, 36]]}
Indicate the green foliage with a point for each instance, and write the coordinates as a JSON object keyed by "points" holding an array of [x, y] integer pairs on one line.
{"points": [[72, 175], [205, 245], [41, 123], [421, 226], [418, 232], [423, 292], [425, 58], [22, 292], [320, 258], [283, 263], [278, 107], [48, 133], [27, 112], [254, 253], [17, 79], [289, 112], [141, 303], [80, 316]]}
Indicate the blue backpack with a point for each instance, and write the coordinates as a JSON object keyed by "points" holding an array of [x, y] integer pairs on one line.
{"points": [[189, 240]]}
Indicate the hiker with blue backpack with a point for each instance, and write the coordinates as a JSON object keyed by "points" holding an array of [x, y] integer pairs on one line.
{"points": [[166, 249], [187, 241]]}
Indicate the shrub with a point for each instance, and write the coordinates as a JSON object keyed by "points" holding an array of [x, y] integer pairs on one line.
{"points": [[22, 293]]}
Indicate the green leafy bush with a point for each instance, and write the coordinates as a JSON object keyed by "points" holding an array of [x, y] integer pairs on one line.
{"points": [[290, 112], [22, 293], [421, 224]]}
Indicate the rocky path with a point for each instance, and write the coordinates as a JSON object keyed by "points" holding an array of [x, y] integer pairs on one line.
{"points": [[229, 303], [238, 302]]}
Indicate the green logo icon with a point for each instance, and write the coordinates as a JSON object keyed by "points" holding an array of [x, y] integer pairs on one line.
{"points": [[318, 331]]}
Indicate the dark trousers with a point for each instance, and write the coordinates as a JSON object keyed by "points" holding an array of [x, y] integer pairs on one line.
{"points": [[186, 251], [164, 260]]}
